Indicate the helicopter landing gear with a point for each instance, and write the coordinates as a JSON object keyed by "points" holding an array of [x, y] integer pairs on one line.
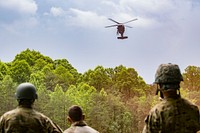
{"points": [[124, 37]]}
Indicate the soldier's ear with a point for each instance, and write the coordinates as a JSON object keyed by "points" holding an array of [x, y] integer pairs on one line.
{"points": [[36, 96], [69, 120], [83, 117]]}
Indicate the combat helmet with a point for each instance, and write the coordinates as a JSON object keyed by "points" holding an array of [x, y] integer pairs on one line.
{"points": [[168, 74], [26, 91]]}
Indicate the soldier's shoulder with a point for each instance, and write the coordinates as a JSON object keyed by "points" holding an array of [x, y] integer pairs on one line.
{"points": [[41, 115], [189, 104], [162, 106], [70, 129], [159, 106], [10, 112]]}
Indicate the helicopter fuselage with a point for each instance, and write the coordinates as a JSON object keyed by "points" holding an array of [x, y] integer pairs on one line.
{"points": [[120, 30]]}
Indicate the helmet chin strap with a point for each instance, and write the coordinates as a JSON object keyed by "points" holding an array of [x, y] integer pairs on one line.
{"points": [[158, 90], [179, 93], [166, 88]]}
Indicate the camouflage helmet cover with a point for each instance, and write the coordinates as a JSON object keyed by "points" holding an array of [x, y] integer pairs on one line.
{"points": [[168, 73], [26, 91]]}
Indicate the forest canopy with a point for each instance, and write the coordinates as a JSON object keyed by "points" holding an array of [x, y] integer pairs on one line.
{"points": [[113, 99]]}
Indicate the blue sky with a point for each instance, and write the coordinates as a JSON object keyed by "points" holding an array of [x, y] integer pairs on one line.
{"points": [[166, 31]]}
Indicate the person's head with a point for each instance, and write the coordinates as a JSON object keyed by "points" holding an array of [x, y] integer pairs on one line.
{"points": [[75, 114], [168, 77], [26, 94]]}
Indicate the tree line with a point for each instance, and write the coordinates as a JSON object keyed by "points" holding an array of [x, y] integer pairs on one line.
{"points": [[113, 99]]}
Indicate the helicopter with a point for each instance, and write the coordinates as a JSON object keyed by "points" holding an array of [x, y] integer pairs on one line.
{"points": [[120, 27]]}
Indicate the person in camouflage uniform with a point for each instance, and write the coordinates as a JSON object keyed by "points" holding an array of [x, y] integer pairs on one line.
{"points": [[76, 117], [173, 114], [24, 119]]}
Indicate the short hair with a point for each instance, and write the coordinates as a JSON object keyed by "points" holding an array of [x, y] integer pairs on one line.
{"points": [[75, 113]]}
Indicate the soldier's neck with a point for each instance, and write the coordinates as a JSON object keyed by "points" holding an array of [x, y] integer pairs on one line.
{"points": [[170, 94], [25, 106]]}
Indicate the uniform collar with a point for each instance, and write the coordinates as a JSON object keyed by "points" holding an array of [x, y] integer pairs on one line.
{"points": [[79, 123]]}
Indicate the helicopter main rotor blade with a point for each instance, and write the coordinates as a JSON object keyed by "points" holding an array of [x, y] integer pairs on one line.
{"points": [[130, 21], [110, 26], [128, 26], [114, 21]]}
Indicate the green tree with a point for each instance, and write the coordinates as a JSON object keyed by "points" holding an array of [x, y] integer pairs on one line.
{"points": [[81, 95], [30, 56], [3, 68], [68, 66], [20, 71], [57, 107], [98, 78], [109, 115], [128, 82], [191, 78], [7, 91], [39, 65], [63, 77], [49, 77]]}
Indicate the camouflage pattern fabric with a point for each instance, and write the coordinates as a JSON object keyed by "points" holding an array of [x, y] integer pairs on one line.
{"points": [[173, 116], [26, 120], [168, 73], [80, 127]]}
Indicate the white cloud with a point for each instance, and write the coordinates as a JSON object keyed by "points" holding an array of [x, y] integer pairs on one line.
{"points": [[145, 11], [109, 3], [151, 6], [86, 18], [57, 11], [22, 6]]}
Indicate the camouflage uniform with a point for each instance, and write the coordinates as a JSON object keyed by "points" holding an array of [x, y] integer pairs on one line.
{"points": [[26, 120], [80, 127], [173, 116]]}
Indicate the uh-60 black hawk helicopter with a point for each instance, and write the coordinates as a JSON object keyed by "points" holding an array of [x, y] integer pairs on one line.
{"points": [[120, 27]]}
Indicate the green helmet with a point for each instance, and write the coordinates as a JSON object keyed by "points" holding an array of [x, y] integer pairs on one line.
{"points": [[168, 73], [26, 91]]}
